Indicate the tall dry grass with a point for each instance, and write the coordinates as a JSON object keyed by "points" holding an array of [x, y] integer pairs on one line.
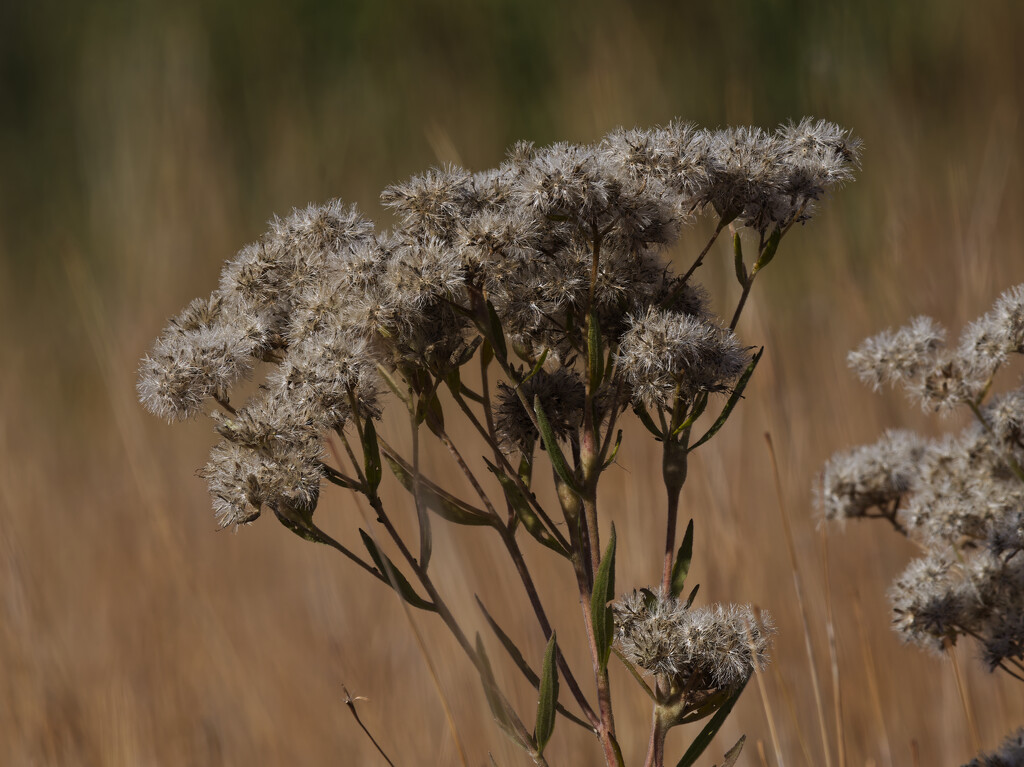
{"points": [[142, 145]]}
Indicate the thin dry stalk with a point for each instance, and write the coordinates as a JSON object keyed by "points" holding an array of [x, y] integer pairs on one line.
{"points": [[871, 671], [833, 650], [965, 701], [799, 589], [431, 669]]}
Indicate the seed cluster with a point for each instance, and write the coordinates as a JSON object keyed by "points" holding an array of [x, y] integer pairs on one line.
{"points": [[960, 496], [551, 242], [706, 648]]}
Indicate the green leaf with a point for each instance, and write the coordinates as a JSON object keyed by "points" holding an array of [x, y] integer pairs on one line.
{"points": [[600, 609], [548, 697], [595, 355], [501, 709], [429, 410], [769, 251], [699, 405], [554, 451], [737, 394], [682, 564], [497, 333], [394, 576], [737, 251], [615, 450], [704, 738], [733, 754], [525, 513], [536, 368], [439, 501], [693, 595], [371, 457], [645, 418], [517, 657]]}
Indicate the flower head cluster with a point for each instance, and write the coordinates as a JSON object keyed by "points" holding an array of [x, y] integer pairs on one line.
{"points": [[960, 496], [552, 244], [706, 648]]}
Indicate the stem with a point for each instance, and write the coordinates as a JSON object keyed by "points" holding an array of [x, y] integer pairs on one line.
{"points": [[656, 746], [422, 518], [512, 474], [722, 223], [674, 469], [531, 590], [670, 540]]}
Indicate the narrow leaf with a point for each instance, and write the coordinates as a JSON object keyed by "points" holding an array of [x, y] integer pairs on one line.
{"points": [[615, 450], [554, 451], [429, 410], [501, 709], [737, 394], [525, 513], [682, 564], [439, 501], [600, 610], [517, 657], [769, 250], [693, 595], [733, 754], [394, 576], [371, 457], [704, 738], [737, 251], [699, 405], [510, 647], [536, 368], [645, 418], [497, 333], [548, 697]]}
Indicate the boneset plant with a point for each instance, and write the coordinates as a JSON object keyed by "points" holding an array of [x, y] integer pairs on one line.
{"points": [[960, 497], [538, 299]]}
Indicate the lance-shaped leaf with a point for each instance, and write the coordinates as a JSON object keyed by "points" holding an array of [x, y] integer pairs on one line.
{"points": [[496, 333], [429, 410], [640, 410], [437, 500], [615, 450], [371, 457], [737, 252], [394, 576], [733, 754], [704, 738], [554, 451], [693, 595], [525, 513], [769, 251], [600, 610], [699, 404], [548, 697], [536, 368], [682, 564], [737, 393], [501, 709], [517, 657]]}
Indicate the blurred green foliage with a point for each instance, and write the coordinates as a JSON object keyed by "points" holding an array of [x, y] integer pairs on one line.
{"points": [[368, 89]]}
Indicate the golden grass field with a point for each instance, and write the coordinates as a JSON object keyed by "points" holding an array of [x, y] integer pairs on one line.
{"points": [[141, 146]]}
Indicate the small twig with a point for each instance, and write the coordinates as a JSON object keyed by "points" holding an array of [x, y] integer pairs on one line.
{"points": [[351, 703]]}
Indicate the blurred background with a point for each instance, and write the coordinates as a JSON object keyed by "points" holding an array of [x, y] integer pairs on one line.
{"points": [[143, 143]]}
